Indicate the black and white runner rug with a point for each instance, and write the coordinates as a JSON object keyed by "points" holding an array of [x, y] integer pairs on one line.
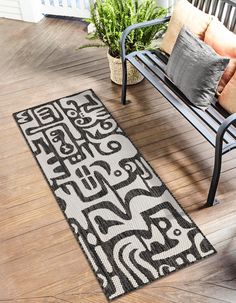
{"points": [[129, 225]]}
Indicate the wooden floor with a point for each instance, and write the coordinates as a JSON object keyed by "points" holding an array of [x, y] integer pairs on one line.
{"points": [[40, 260]]}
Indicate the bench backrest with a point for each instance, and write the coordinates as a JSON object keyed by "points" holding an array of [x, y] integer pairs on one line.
{"points": [[225, 10]]}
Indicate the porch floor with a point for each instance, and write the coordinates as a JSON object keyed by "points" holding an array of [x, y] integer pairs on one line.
{"points": [[40, 261]]}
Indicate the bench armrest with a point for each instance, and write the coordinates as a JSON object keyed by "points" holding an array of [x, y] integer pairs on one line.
{"points": [[222, 130], [135, 26], [226, 123]]}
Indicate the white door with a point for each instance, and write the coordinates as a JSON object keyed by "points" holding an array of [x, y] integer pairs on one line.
{"points": [[71, 8]]}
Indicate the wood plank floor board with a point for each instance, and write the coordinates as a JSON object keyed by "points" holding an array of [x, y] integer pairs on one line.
{"points": [[40, 260]]}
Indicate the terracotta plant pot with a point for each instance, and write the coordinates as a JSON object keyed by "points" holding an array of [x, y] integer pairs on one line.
{"points": [[133, 76]]}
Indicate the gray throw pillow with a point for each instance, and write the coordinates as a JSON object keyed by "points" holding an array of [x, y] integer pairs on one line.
{"points": [[195, 68]]}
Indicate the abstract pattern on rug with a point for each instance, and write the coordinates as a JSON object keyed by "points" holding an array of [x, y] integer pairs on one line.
{"points": [[130, 227]]}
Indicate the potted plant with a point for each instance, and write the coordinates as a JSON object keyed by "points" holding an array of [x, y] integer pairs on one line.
{"points": [[111, 18]]}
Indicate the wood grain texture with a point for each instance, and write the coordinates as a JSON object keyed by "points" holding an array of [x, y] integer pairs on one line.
{"points": [[40, 261]]}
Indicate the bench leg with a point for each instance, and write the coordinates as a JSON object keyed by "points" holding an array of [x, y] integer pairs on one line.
{"points": [[218, 159], [211, 200], [124, 82]]}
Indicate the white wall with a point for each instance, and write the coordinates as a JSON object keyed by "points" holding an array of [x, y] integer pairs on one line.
{"points": [[166, 3], [26, 10], [31, 10], [10, 9]]}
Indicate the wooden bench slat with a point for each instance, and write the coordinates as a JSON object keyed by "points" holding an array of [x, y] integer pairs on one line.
{"points": [[180, 106], [196, 2], [215, 110], [158, 68], [221, 10], [227, 15], [208, 6], [201, 5], [153, 68], [233, 22], [228, 148], [214, 7]]}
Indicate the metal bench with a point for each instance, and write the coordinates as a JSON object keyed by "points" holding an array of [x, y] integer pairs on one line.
{"points": [[215, 124]]}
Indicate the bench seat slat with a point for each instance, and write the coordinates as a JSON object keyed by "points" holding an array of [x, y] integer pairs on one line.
{"points": [[227, 15], [181, 107], [233, 21], [228, 147], [201, 5], [214, 111], [208, 6], [145, 57], [152, 67], [214, 7], [221, 10]]}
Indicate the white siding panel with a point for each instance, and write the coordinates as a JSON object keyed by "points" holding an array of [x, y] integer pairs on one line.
{"points": [[10, 3], [10, 9], [47, 2], [10, 16], [56, 3], [65, 11], [26, 10], [72, 8], [73, 3]]}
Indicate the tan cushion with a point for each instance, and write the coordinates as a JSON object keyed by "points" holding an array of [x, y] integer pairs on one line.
{"points": [[227, 99], [223, 42], [185, 14], [228, 74]]}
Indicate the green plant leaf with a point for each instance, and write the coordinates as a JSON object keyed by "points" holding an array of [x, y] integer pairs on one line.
{"points": [[91, 45], [112, 17]]}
